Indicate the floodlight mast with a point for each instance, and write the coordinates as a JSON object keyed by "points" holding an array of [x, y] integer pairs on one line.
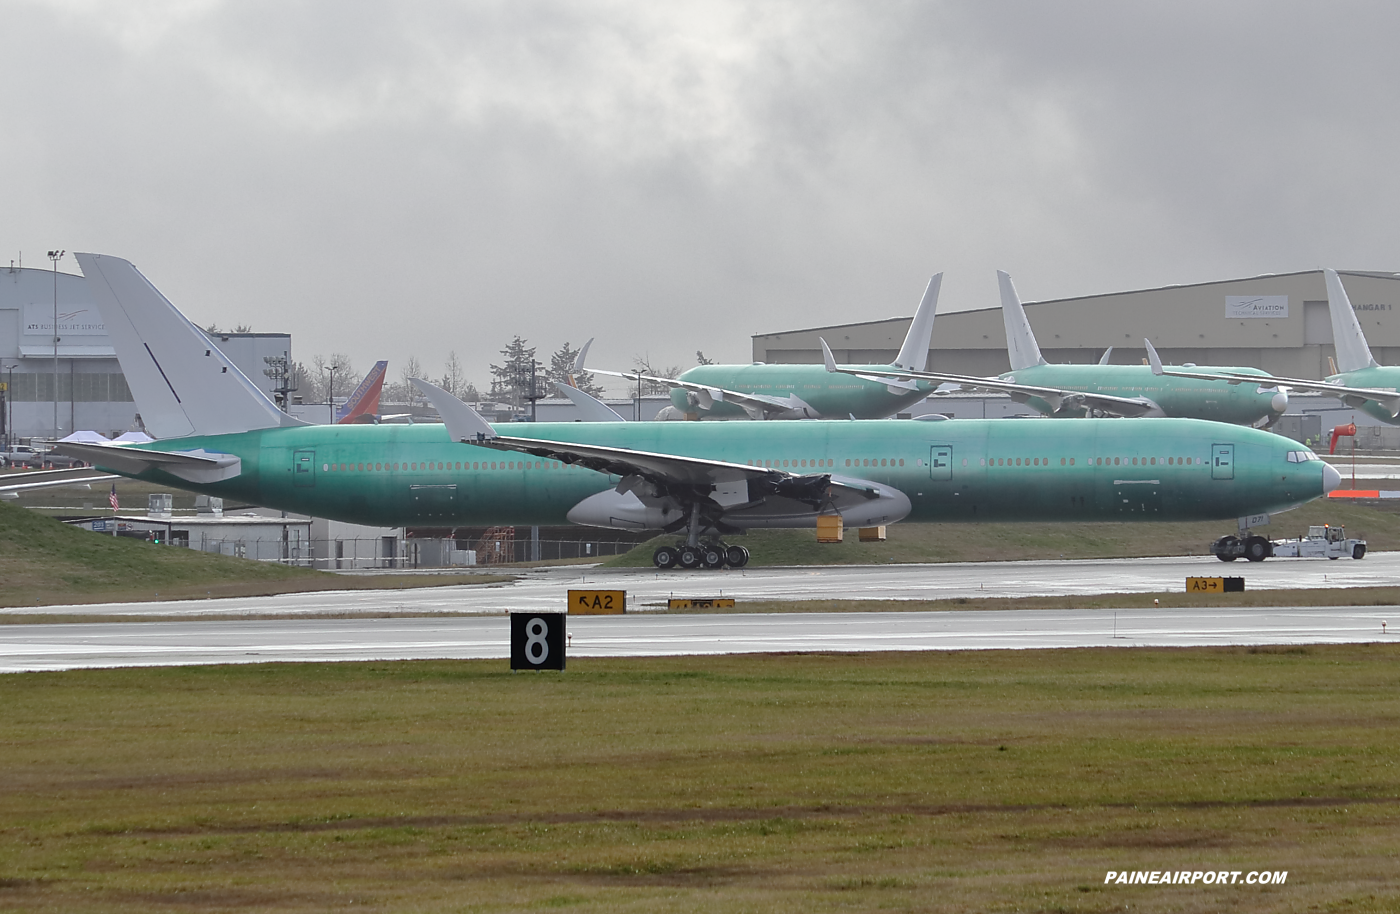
{"points": [[55, 256], [330, 393]]}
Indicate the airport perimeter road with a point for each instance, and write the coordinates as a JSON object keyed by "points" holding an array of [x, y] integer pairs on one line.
{"points": [[104, 644], [545, 589]]}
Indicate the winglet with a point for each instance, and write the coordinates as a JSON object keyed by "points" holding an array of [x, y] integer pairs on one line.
{"points": [[914, 353], [463, 422], [827, 356], [1352, 351], [1021, 347], [1153, 358], [582, 354], [593, 409], [1103, 359]]}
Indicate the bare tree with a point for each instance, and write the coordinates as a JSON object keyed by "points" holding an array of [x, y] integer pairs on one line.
{"points": [[701, 360], [643, 364], [454, 379], [412, 368]]}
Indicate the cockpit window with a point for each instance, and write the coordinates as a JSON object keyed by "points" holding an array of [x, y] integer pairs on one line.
{"points": [[1302, 456]]}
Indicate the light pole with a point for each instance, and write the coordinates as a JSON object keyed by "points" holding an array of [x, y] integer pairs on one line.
{"points": [[330, 393], [10, 407], [55, 256]]}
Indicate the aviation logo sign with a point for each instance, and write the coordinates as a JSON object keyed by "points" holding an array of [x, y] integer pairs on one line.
{"points": [[537, 641], [1248, 306]]}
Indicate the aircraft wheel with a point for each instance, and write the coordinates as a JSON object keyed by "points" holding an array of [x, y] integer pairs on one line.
{"points": [[1333, 558], [688, 557], [1358, 551], [664, 557], [1257, 549], [1225, 546], [712, 556], [738, 556]]}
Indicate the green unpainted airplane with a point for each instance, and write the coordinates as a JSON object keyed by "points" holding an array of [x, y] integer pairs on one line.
{"points": [[1361, 382], [1103, 389], [797, 391], [219, 435]]}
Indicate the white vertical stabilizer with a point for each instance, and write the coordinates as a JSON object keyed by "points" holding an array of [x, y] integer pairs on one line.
{"points": [[913, 355], [1352, 351], [182, 384], [1020, 341]]}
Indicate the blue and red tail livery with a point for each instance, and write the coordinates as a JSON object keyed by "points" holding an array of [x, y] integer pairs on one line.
{"points": [[363, 405]]}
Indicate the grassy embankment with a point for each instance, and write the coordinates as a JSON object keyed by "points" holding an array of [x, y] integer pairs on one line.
{"points": [[932, 782], [1003, 542], [43, 562]]}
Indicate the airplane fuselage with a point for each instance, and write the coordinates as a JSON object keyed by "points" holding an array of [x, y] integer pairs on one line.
{"points": [[820, 394], [1380, 377], [1185, 398], [960, 470]]}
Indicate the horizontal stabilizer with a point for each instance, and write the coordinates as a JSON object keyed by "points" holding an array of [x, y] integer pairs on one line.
{"points": [[194, 466]]}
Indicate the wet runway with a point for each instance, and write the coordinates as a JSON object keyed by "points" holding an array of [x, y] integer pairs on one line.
{"points": [[213, 633], [59, 647], [545, 589]]}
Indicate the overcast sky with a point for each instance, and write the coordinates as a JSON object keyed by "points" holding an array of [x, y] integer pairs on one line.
{"points": [[403, 179]]}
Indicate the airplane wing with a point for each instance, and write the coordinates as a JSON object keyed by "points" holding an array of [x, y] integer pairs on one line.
{"points": [[591, 408], [1059, 399], [1389, 399], [11, 484], [196, 466], [666, 472], [758, 406]]}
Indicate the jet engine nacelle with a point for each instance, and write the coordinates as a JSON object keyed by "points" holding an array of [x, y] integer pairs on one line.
{"points": [[624, 510]]}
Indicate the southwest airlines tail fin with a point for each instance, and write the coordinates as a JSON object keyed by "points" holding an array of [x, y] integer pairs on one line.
{"points": [[363, 405], [913, 355], [1020, 341], [182, 384], [1352, 351]]}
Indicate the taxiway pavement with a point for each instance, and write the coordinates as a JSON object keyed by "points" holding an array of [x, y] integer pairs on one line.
{"points": [[104, 644], [545, 589]]}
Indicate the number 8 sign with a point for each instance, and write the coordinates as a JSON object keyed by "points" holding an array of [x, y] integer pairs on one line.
{"points": [[537, 641]]}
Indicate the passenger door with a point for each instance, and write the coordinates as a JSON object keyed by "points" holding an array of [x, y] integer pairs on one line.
{"points": [[940, 461], [1222, 461], [304, 468]]}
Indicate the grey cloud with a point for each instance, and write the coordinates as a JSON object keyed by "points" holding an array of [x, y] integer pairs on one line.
{"points": [[397, 179]]}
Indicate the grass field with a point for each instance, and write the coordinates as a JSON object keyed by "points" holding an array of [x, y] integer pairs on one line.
{"points": [[44, 563], [998, 542], [987, 781]]}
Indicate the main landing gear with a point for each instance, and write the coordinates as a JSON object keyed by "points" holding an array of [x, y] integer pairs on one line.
{"points": [[701, 555]]}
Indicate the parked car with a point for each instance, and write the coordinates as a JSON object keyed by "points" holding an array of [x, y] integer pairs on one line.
{"points": [[17, 455], [48, 460]]}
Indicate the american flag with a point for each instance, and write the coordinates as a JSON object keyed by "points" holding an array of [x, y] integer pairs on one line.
{"points": [[112, 497]]}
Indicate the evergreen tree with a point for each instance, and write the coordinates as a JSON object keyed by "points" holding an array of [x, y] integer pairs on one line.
{"points": [[510, 381], [561, 368]]}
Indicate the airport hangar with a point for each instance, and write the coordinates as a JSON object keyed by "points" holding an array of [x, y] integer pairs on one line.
{"points": [[1277, 322]]}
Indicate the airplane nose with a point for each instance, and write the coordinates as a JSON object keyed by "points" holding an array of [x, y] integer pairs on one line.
{"points": [[1330, 478], [1279, 403]]}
